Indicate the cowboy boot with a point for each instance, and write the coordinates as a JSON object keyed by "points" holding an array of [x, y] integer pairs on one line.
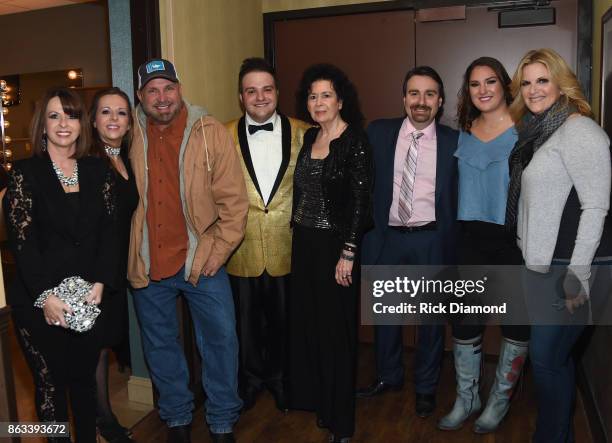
{"points": [[512, 357], [467, 355]]}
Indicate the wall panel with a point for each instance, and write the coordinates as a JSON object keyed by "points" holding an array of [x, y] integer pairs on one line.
{"points": [[289, 5], [599, 9], [58, 38], [207, 41], [450, 46], [375, 61]]}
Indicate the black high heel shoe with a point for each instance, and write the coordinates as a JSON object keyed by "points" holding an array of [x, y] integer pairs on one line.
{"points": [[334, 439], [113, 432]]}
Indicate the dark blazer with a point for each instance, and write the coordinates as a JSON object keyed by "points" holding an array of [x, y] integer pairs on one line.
{"points": [[49, 241], [383, 136]]}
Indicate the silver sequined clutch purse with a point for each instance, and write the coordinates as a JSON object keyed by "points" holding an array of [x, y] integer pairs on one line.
{"points": [[72, 291]]}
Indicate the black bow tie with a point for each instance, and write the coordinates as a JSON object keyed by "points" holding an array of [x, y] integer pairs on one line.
{"points": [[254, 128]]}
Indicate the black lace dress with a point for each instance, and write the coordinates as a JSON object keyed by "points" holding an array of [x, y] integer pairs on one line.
{"points": [[113, 329], [54, 235]]}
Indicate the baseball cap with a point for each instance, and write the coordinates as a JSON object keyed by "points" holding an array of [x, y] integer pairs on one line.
{"points": [[156, 68]]}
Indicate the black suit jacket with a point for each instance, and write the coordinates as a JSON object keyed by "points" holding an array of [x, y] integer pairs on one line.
{"points": [[383, 136], [49, 241]]}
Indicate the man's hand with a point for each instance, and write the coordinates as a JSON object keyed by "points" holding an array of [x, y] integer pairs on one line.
{"points": [[211, 266]]}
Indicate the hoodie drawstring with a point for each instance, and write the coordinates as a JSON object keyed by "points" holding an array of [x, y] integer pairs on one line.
{"points": [[205, 144]]}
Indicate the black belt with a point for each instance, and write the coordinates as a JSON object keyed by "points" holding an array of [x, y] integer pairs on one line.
{"points": [[428, 227]]}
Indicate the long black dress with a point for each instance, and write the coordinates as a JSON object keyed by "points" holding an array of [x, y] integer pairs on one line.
{"points": [[54, 235], [331, 208], [113, 328]]}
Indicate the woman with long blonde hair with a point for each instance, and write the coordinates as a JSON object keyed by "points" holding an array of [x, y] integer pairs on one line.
{"points": [[558, 199]]}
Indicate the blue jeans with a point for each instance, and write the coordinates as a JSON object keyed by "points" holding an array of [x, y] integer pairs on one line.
{"points": [[553, 372], [212, 309]]}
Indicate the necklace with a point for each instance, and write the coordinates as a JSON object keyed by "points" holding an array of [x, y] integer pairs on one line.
{"points": [[71, 181], [112, 152]]}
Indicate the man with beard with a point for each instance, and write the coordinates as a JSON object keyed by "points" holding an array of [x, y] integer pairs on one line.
{"points": [[190, 217], [415, 213]]}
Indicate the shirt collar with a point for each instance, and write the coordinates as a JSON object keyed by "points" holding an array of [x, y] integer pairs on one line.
{"points": [[273, 119], [429, 133]]}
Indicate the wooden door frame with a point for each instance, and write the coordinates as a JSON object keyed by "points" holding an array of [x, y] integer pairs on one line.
{"points": [[146, 34]]}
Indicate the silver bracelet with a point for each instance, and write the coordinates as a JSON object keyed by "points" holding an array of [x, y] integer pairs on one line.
{"points": [[347, 257], [42, 298]]}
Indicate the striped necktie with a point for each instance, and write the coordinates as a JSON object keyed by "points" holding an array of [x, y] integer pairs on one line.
{"points": [[404, 210]]}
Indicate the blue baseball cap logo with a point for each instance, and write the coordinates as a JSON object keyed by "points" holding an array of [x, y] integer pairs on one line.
{"points": [[157, 68], [156, 65]]}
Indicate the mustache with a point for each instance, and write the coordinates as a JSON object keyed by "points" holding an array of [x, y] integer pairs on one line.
{"points": [[420, 108]]}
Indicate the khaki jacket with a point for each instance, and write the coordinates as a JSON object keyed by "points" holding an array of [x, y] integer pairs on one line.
{"points": [[213, 195], [267, 241]]}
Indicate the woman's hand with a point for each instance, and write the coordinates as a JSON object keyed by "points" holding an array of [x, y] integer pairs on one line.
{"points": [[54, 310], [95, 295], [572, 302], [344, 268], [575, 291]]}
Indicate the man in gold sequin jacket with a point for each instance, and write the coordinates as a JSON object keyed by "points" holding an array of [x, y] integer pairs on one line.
{"points": [[268, 144]]}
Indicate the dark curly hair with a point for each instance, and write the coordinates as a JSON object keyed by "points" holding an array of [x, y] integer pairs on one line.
{"points": [[346, 91], [466, 111]]}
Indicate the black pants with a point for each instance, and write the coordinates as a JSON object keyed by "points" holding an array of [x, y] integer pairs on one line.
{"points": [[323, 331], [261, 311], [62, 362], [488, 244]]}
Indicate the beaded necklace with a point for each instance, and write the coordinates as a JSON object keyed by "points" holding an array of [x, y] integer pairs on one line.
{"points": [[112, 152], [71, 181]]}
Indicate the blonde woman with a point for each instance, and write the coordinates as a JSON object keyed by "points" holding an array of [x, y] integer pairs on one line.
{"points": [[557, 201]]}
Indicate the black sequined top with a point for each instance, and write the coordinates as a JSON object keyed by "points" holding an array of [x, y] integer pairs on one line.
{"points": [[311, 210], [345, 181]]}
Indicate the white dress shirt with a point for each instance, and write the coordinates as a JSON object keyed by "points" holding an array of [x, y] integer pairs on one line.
{"points": [[266, 148]]}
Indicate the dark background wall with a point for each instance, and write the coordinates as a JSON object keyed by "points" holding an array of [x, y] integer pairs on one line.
{"points": [[41, 46], [58, 38], [376, 49]]}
